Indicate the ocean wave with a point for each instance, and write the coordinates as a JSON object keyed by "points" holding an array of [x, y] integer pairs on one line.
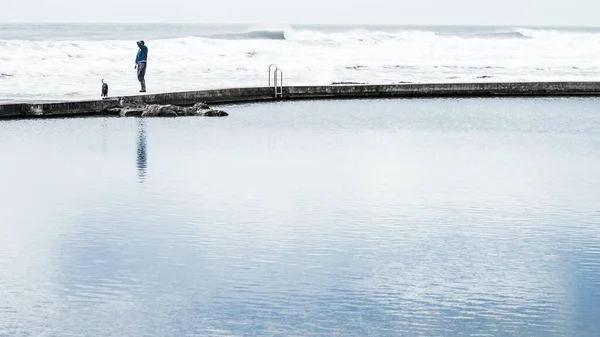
{"points": [[356, 67], [252, 35], [323, 37], [488, 35], [503, 35], [398, 66], [381, 36], [307, 55]]}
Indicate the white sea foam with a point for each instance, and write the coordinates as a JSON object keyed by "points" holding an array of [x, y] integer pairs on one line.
{"points": [[60, 68]]}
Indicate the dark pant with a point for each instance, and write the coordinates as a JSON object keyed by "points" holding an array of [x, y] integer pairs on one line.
{"points": [[141, 71]]}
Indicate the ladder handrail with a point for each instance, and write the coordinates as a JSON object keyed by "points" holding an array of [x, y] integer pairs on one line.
{"points": [[277, 75], [280, 91], [270, 73]]}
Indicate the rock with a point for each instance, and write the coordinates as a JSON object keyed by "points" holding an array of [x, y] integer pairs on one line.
{"points": [[134, 108], [203, 112], [216, 113], [131, 112], [178, 109], [155, 110], [201, 105], [168, 113], [199, 109], [112, 110], [191, 112], [131, 101], [151, 111]]}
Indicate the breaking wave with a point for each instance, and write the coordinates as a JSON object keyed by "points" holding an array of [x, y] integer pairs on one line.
{"points": [[195, 57], [360, 36], [252, 35], [357, 35], [489, 35]]}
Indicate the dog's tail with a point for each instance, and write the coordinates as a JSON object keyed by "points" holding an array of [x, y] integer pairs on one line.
{"points": [[102, 81]]}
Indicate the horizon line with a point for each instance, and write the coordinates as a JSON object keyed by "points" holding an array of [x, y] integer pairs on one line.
{"points": [[301, 24]]}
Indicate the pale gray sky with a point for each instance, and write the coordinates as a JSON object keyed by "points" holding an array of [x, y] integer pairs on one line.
{"points": [[476, 12]]}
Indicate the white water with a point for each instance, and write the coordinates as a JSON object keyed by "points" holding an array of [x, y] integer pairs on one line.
{"points": [[72, 65]]}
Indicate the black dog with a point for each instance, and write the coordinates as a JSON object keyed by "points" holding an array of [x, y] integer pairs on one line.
{"points": [[104, 89]]}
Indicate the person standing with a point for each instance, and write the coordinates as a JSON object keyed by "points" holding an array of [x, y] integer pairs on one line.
{"points": [[141, 62]]}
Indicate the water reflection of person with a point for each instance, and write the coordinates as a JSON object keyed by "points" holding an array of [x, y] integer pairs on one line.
{"points": [[142, 156]]}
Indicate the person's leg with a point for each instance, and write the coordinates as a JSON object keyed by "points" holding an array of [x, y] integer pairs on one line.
{"points": [[141, 72]]}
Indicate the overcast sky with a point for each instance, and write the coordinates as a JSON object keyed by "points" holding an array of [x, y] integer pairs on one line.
{"points": [[467, 12]]}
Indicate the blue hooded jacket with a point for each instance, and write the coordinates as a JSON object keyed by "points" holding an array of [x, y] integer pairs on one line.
{"points": [[142, 54]]}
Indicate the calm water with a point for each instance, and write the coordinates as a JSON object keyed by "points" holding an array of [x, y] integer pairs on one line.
{"points": [[351, 218]]}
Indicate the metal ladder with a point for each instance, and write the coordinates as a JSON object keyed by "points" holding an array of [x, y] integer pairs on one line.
{"points": [[277, 76]]}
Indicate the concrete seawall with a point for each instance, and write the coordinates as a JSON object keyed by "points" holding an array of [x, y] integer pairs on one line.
{"points": [[238, 95]]}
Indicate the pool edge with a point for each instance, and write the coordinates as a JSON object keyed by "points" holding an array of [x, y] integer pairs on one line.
{"points": [[253, 94]]}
